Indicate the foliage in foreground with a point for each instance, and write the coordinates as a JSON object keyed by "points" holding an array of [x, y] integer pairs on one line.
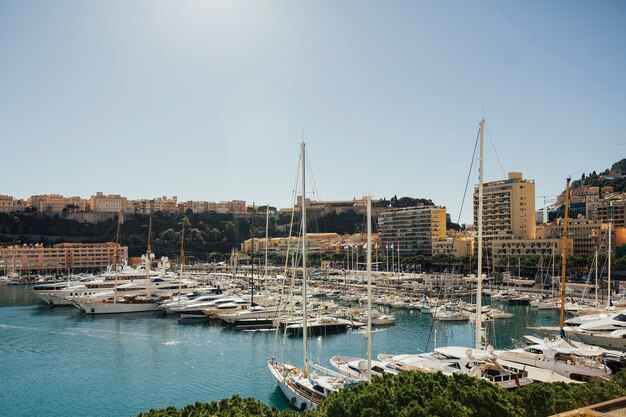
{"points": [[417, 394]]}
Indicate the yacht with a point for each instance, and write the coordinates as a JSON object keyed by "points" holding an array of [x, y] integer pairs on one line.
{"points": [[610, 323], [223, 306], [357, 367], [560, 359], [115, 305]]}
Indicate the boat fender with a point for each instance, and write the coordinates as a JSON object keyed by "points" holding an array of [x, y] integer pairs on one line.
{"points": [[293, 400], [303, 406]]}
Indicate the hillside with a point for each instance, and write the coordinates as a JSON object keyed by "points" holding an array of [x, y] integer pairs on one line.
{"points": [[208, 235], [614, 176]]}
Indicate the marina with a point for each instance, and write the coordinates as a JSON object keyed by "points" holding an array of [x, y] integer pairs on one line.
{"points": [[65, 362]]}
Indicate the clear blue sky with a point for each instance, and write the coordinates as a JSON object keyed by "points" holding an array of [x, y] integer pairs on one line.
{"points": [[206, 100]]}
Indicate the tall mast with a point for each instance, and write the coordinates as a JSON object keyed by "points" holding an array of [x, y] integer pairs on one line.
{"points": [[305, 332], [148, 259], [564, 258], [608, 274], [267, 236], [117, 256], [369, 288], [252, 270], [595, 261], [479, 282], [182, 249]]}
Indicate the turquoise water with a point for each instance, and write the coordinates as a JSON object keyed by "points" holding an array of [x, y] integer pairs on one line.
{"points": [[60, 362]]}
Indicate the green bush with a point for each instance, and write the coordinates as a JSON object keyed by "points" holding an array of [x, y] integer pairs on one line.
{"points": [[417, 394]]}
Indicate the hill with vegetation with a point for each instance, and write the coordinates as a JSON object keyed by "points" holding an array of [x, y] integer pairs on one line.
{"points": [[417, 394], [208, 236], [614, 176]]}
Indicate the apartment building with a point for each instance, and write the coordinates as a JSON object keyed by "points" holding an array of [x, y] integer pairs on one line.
{"points": [[521, 248], [112, 203], [456, 246], [55, 203], [586, 234], [358, 205], [612, 208], [61, 257], [9, 204], [508, 208], [412, 230], [328, 243]]}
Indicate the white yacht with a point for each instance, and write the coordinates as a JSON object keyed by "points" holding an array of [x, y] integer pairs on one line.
{"points": [[223, 306], [562, 360], [610, 323], [452, 360], [135, 304], [615, 339], [357, 367]]}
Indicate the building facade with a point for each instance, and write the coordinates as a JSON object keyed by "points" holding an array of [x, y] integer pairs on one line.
{"points": [[327, 243], [55, 203], [455, 246], [542, 249], [61, 257], [9, 204], [508, 208], [112, 203], [611, 209], [412, 230], [586, 234]]}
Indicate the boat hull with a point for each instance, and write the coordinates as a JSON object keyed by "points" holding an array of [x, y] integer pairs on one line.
{"points": [[118, 308], [296, 400]]}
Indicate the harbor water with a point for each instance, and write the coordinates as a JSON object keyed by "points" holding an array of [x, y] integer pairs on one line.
{"points": [[60, 362]]}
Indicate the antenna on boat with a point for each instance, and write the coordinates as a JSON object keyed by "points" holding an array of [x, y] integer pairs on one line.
{"points": [[564, 259]]}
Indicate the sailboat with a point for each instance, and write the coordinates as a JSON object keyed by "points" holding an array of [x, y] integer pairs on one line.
{"points": [[479, 362], [355, 367], [309, 385]]}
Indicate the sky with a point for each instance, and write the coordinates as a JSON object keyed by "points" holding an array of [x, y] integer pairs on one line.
{"points": [[209, 100]]}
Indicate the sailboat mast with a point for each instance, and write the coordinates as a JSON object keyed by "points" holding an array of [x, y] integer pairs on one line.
{"points": [[608, 273], [181, 259], [267, 237], [148, 259], [564, 258], [252, 270], [117, 256], [305, 332], [369, 288], [479, 281], [595, 261]]}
